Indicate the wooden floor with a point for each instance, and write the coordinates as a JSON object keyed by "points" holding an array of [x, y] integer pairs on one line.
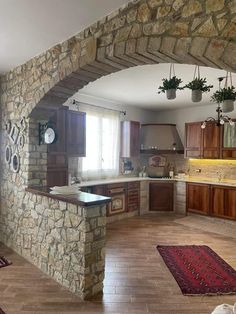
{"points": [[137, 280]]}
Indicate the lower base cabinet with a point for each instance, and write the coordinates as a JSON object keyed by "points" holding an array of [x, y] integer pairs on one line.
{"points": [[213, 200], [161, 196], [224, 202], [198, 198], [125, 196]]}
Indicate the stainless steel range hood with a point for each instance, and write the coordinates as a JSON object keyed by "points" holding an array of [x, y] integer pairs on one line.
{"points": [[161, 138]]}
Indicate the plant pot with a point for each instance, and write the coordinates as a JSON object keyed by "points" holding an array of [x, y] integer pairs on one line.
{"points": [[171, 93], [228, 105], [196, 95]]}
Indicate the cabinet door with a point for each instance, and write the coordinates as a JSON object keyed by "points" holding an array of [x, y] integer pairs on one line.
{"points": [[198, 198], [224, 202], [211, 141], [130, 139], [160, 196], [193, 138], [76, 133], [99, 190], [229, 141], [133, 196], [57, 172]]}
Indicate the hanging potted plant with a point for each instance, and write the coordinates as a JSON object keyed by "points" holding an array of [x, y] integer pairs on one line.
{"points": [[198, 86], [226, 96], [170, 85]]}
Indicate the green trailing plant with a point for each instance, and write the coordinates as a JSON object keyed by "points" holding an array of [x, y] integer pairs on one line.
{"points": [[172, 83], [226, 93], [199, 84]]}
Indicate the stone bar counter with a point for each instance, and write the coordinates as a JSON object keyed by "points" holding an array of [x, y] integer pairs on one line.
{"points": [[68, 233]]}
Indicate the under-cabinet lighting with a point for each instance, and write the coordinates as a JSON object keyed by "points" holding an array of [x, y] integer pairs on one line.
{"points": [[212, 161]]}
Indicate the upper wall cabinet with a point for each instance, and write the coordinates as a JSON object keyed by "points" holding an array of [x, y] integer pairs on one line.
{"points": [[193, 139], [229, 141], [213, 142], [130, 139], [76, 133]]}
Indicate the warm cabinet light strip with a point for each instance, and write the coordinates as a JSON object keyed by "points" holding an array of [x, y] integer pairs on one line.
{"points": [[213, 161]]}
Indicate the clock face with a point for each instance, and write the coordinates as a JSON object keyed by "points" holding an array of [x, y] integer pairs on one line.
{"points": [[49, 136]]}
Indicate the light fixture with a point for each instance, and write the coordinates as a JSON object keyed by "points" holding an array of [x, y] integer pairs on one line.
{"points": [[221, 119]]}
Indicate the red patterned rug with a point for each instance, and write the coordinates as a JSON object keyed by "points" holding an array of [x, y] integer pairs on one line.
{"points": [[199, 270], [4, 262]]}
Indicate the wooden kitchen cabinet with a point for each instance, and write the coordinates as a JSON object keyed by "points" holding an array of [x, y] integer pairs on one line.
{"points": [[133, 196], [76, 133], [223, 202], [130, 139], [70, 130], [229, 141], [211, 141], [198, 198], [193, 139], [57, 162], [161, 196], [202, 143]]}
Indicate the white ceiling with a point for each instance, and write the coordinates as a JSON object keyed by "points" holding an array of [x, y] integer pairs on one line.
{"points": [[30, 27], [138, 86]]}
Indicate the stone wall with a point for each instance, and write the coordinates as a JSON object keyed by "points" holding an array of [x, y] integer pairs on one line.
{"points": [[65, 241], [142, 32]]}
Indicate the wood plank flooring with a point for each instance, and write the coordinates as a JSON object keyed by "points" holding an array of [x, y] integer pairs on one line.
{"points": [[136, 281]]}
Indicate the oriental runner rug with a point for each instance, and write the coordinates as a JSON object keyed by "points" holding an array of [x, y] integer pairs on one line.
{"points": [[4, 262], [198, 270]]}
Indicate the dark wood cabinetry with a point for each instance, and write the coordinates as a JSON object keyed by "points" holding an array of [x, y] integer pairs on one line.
{"points": [[130, 139], [211, 141], [57, 163], [133, 196], [193, 139], [202, 143], [224, 202], [198, 198], [161, 196], [70, 130], [76, 133], [213, 200]]}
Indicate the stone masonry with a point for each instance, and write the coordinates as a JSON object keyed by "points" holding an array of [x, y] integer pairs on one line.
{"points": [[64, 240], [199, 32]]}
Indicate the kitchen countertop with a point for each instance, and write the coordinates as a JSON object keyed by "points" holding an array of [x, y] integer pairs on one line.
{"points": [[82, 198], [204, 180]]}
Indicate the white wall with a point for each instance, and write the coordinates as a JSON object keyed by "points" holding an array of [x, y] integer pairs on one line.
{"points": [[132, 113], [193, 114]]}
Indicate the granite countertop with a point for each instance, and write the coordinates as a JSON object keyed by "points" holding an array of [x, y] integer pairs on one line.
{"points": [[118, 180], [206, 180], [82, 198]]}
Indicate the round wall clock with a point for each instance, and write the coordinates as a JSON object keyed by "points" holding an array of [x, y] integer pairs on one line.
{"points": [[49, 136]]}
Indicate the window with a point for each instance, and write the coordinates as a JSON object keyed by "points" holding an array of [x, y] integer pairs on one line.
{"points": [[102, 143]]}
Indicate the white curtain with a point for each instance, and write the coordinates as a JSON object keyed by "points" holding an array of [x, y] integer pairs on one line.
{"points": [[102, 143]]}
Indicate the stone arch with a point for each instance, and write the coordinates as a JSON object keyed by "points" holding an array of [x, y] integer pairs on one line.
{"points": [[141, 32]]}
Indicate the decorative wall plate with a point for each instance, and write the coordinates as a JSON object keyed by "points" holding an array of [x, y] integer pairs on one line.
{"points": [[8, 126], [8, 154], [21, 141], [15, 162], [14, 133]]}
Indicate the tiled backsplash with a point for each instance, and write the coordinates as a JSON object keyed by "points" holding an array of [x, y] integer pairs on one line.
{"points": [[213, 168]]}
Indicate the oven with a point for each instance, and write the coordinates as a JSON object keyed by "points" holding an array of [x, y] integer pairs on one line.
{"points": [[118, 200]]}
